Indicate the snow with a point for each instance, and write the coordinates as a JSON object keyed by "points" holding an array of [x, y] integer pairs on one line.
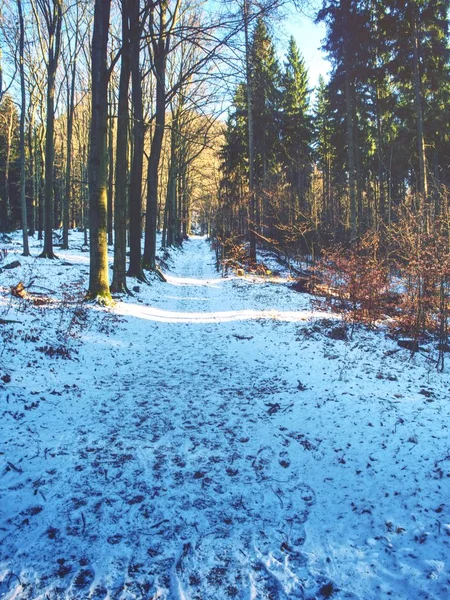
{"points": [[207, 439]]}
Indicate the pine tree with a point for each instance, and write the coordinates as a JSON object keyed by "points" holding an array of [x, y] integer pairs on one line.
{"points": [[296, 126], [265, 82], [325, 153], [234, 166], [419, 52], [349, 44]]}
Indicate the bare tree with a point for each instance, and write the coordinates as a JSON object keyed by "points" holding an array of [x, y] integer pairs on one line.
{"points": [[250, 128], [75, 40], [162, 22], [8, 115], [137, 23], [119, 282], [50, 42], [23, 202]]}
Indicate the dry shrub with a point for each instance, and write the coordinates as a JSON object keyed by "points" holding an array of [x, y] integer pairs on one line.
{"points": [[359, 282], [231, 252], [356, 279], [422, 256]]}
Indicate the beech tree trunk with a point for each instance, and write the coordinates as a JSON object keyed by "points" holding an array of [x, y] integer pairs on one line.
{"points": [[119, 282], [170, 230], [9, 129], [149, 259], [41, 184], [31, 140], [67, 201], [54, 22], [110, 201], [135, 267], [97, 166], [23, 200]]}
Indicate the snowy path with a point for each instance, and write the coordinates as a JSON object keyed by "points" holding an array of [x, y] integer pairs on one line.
{"points": [[209, 440]]}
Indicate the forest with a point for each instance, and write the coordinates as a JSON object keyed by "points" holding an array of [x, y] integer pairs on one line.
{"points": [[224, 300], [113, 121], [124, 119]]}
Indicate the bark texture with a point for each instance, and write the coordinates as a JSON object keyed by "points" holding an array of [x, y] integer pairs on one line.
{"points": [[97, 167]]}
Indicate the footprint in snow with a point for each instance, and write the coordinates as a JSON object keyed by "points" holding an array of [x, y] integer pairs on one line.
{"points": [[269, 578], [263, 462]]}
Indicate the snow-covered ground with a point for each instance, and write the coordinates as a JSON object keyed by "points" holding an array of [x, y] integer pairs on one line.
{"points": [[209, 439]]}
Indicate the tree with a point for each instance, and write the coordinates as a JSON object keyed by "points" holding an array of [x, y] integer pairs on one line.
{"points": [[8, 155], [296, 126], [393, 89], [248, 17], [324, 154], [417, 34], [265, 83], [250, 132], [74, 44], [162, 22], [234, 168], [36, 82], [135, 194], [191, 100], [97, 168], [51, 12], [119, 282], [23, 203]]}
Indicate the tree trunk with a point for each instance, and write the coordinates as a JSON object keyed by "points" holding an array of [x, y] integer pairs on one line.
{"points": [[181, 199], [119, 282], [53, 55], [149, 261], [380, 215], [358, 174], [70, 115], [85, 196], [98, 276], [185, 207], [23, 200], [10, 129], [135, 267], [32, 170], [350, 142], [423, 181], [251, 152], [110, 202], [41, 184], [171, 197]]}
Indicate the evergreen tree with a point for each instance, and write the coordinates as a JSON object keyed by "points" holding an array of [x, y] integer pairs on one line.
{"points": [[234, 166], [416, 33], [324, 152], [388, 90], [265, 82], [348, 46], [296, 126]]}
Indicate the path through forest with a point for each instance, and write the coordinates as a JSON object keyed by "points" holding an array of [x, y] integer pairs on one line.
{"points": [[209, 438]]}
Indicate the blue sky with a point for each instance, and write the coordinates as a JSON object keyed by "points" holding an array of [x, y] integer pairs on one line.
{"points": [[309, 38]]}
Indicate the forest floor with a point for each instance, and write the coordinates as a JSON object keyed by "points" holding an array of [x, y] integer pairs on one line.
{"points": [[209, 438]]}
